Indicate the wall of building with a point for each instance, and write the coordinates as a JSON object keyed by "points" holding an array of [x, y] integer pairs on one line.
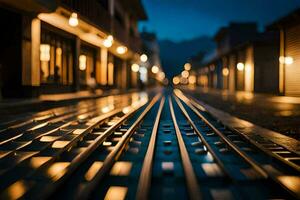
{"points": [[67, 47], [292, 71], [259, 71], [249, 69], [266, 68], [240, 74], [11, 52], [232, 72]]}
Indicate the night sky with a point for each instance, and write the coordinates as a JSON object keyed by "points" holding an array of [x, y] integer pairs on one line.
{"points": [[185, 19]]}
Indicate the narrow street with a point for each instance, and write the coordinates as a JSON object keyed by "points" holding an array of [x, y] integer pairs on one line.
{"points": [[149, 99], [159, 143]]}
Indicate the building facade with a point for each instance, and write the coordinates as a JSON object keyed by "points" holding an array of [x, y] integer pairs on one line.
{"points": [[289, 66], [153, 64], [245, 60], [67, 45]]}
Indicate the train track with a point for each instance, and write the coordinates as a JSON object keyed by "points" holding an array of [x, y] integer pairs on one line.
{"points": [[165, 147]]}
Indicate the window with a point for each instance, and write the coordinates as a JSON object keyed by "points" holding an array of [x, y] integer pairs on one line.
{"points": [[56, 57], [87, 64]]}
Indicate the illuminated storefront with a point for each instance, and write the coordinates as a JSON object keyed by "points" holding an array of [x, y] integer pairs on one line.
{"points": [[87, 64], [57, 57]]}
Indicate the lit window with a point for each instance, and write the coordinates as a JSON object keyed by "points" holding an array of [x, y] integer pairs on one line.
{"points": [[110, 73], [45, 52], [82, 62]]}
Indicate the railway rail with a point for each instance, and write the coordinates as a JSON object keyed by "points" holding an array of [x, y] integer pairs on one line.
{"points": [[163, 146]]}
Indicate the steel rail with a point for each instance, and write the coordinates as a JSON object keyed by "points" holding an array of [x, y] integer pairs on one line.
{"points": [[234, 147], [190, 176], [146, 172], [83, 156], [71, 143], [51, 121], [115, 153], [94, 111], [218, 160], [263, 172], [255, 143]]}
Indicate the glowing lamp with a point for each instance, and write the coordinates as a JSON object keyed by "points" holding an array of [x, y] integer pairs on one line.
{"points": [[185, 74], [144, 58], [192, 79], [225, 71], [240, 66], [176, 80], [121, 50], [108, 42], [155, 69], [73, 20], [161, 76], [135, 67], [289, 60], [187, 66]]}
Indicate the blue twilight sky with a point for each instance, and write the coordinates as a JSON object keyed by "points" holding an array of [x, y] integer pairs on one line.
{"points": [[185, 19]]}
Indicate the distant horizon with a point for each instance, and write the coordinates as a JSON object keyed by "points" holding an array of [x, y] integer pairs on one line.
{"points": [[184, 20]]}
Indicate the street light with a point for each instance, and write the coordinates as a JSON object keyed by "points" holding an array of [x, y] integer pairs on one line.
{"points": [[192, 79], [73, 20], [144, 58], [161, 76], [185, 74], [176, 80], [108, 42], [187, 66], [225, 71], [155, 69], [135, 67], [121, 50], [240, 66]]}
